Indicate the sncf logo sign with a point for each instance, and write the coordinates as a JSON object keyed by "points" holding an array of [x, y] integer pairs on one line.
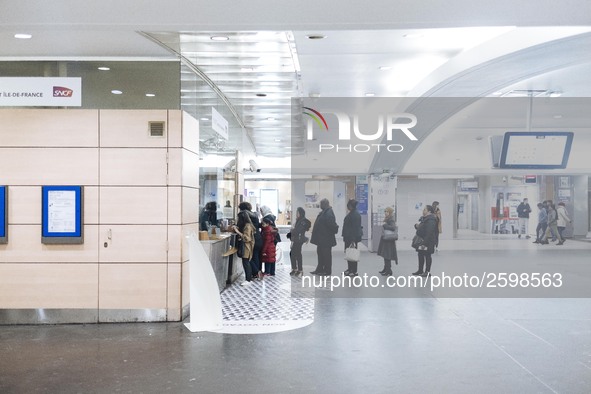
{"points": [[60, 91]]}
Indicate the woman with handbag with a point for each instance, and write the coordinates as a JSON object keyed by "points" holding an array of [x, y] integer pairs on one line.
{"points": [[352, 234], [246, 231], [387, 246], [424, 240]]}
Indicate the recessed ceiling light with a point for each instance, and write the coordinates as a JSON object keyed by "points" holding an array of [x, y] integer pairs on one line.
{"points": [[116, 92], [278, 140], [23, 36], [203, 118], [498, 93], [150, 95], [314, 94], [316, 36], [412, 35], [270, 118], [219, 38], [385, 68], [261, 95], [369, 94], [102, 68]]}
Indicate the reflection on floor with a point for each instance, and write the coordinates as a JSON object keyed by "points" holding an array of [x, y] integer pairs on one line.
{"points": [[424, 344]]}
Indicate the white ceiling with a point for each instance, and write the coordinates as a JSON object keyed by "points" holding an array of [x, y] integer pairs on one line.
{"points": [[531, 44]]}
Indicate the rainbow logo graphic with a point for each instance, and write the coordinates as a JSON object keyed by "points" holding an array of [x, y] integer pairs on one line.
{"points": [[317, 116]]}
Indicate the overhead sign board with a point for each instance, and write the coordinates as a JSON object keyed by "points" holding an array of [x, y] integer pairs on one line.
{"points": [[40, 92], [219, 124]]}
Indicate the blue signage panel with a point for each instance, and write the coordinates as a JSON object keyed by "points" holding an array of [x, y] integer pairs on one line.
{"points": [[3, 213], [62, 215], [361, 195]]}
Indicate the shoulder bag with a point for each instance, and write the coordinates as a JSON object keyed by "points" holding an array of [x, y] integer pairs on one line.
{"points": [[390, 235], [417, 241], [352, 253]]}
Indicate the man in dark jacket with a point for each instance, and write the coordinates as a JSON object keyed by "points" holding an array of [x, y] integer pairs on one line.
{"points": [[323, 236], [523, 211]]}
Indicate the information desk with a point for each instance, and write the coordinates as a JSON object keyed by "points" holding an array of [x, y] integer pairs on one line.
{"points": [[215, 249]]}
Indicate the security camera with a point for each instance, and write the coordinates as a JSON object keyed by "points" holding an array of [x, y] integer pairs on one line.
{"points": [[231, 166], [254, 167]]}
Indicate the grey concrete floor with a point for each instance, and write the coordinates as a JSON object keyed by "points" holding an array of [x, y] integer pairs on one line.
{"points": [[355, 345]]}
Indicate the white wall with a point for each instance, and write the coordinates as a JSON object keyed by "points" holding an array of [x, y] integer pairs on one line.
{"points": [[425, 191]]}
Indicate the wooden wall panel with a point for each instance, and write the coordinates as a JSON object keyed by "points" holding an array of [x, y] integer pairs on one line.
{"points": [[48, 128], [25, 286], [130, 128], [133, 205], [132, 286]]}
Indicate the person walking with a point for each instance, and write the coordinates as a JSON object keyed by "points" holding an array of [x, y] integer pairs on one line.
{"points": [[427, 231], [542, 223], [352, 234], [297, 235], [552, 225], [523, 211], [323, 236], [562, 219], [387, 245]]}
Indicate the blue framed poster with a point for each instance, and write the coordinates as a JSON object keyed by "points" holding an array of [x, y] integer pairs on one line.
{"points": [[3, 214], [62, 215]]}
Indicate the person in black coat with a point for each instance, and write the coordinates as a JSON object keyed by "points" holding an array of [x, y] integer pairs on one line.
{"points": [[352, 234], [208, 216], [387, 247], [258, 238], [297, 235], [427, 230], [323, 236]]}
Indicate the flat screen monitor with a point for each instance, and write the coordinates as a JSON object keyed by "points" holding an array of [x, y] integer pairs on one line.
{"points": [[536, 149]]}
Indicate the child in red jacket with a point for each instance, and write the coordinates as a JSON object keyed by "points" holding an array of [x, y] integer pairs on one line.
{"points": [[268, 251]]}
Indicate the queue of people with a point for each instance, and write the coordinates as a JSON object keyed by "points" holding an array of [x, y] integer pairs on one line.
{"points": [[325, 229], [257, 240], [260, 237]]}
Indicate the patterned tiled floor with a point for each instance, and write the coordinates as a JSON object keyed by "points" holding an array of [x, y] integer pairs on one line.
{"points": [[266, 305]]}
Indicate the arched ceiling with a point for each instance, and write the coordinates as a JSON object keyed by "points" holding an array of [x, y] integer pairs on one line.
{"points": [[532, 44]]}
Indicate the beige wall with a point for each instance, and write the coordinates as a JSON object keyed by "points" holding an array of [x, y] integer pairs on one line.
{"points": [[140, 199]]}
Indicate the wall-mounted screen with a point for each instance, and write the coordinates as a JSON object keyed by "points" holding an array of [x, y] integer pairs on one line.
{"points": [[3, 214], [536, 150], [62, 216]]}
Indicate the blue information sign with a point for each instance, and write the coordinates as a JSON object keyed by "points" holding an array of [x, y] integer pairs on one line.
{"points": [[3, 218], [61, 215], [361, 195]]}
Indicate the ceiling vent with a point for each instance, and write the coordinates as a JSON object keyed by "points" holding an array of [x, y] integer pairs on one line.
{"points": [[156, 129]]}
